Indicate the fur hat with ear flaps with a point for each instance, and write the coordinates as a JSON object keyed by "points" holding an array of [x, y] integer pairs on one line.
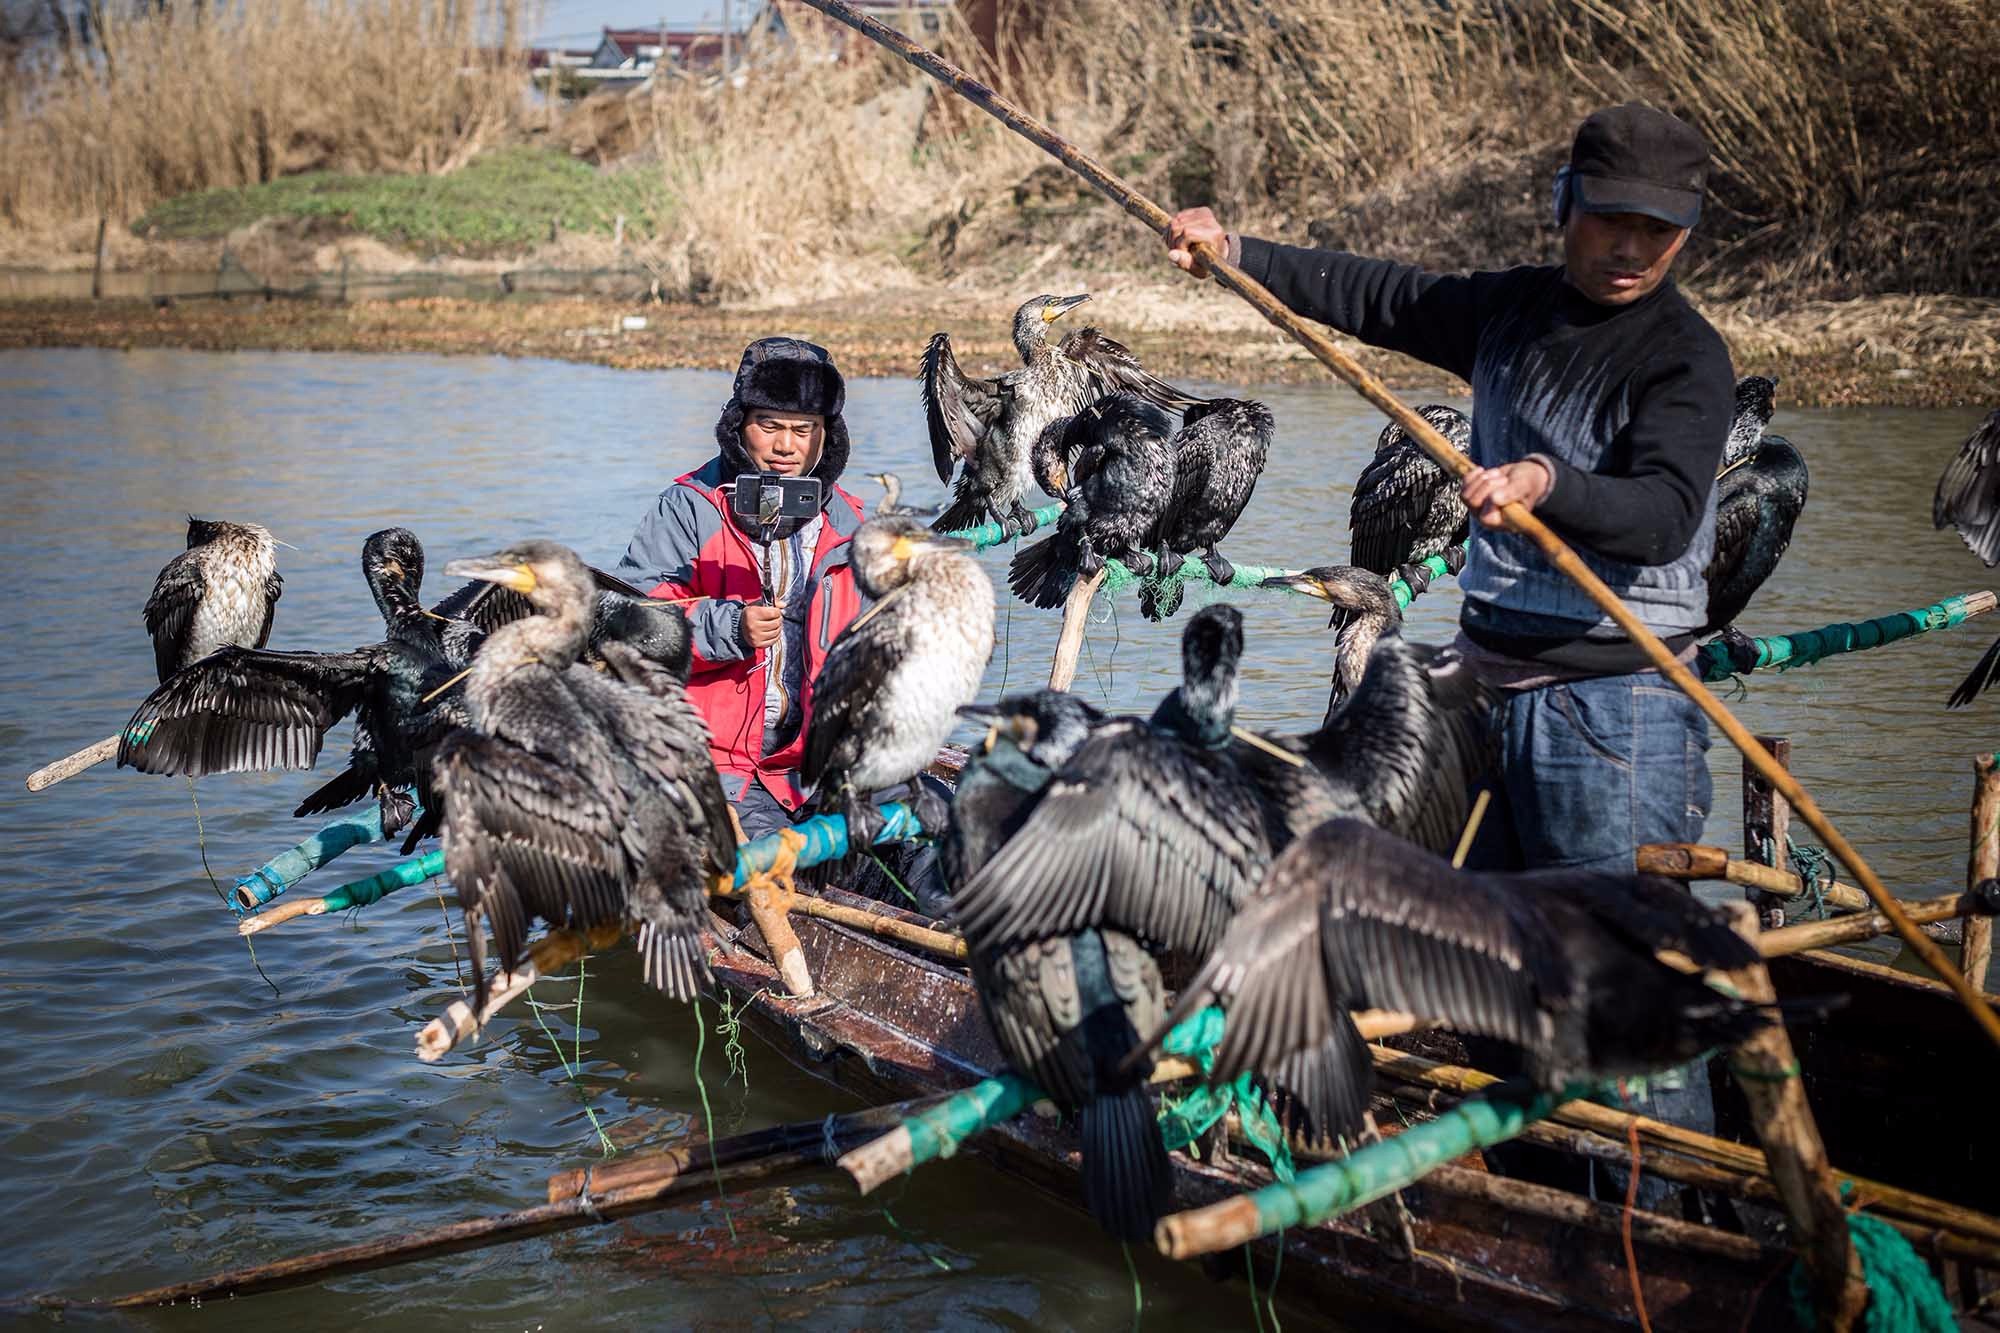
{"points": [[786, 375]]}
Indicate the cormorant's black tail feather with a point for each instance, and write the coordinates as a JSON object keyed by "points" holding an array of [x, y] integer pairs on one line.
{"points": [[343, 789], [1980, 679], [1042, 574], [967, 509], [674, 963], [1128, 1179]]}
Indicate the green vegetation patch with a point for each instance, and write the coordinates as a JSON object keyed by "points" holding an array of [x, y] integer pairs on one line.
{"points": [[501, 201]]}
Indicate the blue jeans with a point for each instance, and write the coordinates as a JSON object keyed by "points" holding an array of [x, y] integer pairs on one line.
{"points": [[1589, 770]]}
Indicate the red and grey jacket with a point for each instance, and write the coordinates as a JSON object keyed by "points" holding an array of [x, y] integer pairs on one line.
{"points": [[689, 546]]}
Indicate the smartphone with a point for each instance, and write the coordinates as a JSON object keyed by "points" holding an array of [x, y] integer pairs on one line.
{"points": [[765, 497]]}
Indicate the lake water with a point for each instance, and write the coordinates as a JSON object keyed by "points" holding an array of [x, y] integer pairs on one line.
{"points": [[168, 1115]]}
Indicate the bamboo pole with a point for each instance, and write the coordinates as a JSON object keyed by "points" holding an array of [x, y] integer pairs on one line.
{"points": [[1521, 520], [940, 942], [1983, 863], [1767, 1069], [603, 1194], [62, 770], [1866, 925], [1076, 618], [557, 949], [1687, 860], [1615, 1124]]}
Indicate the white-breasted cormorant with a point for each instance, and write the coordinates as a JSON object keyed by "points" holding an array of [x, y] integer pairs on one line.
{"points": [[1560, 963], [890, 689], [1968, 498], [1120, 476], [249, 709], [584, 798], [222, 590], [1406, 508], [1760, 491], [891, 502], [992, 424], [1219, 453]]}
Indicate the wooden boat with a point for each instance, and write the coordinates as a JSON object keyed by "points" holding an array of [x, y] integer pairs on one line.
{"points": [[1488, 1252]]}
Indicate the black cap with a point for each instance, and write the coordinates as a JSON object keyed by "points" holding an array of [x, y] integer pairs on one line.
{"points": [[1635, 159], [790, 375]]}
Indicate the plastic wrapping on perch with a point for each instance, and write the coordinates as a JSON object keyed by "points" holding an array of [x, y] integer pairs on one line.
{"points": [[287, 868], [1785, 652]]}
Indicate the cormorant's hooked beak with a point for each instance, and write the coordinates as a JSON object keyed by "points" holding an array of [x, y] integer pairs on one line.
{"points": [[1304, 583], [909, 548], [1055, 310], [519, 577]]}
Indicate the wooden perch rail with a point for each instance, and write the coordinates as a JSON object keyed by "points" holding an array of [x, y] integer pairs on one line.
{"points": [[70, 765], [1521, 520], [1688, 860]]}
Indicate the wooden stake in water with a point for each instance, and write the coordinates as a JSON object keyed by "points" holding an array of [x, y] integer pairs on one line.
{"points": [[1982, 864], [69, 766]]}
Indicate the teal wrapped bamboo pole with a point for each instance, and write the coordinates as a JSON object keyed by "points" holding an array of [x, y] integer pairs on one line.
{"points": [[825, 835], [1785, 652], [1362, 1176], [990, 534], [1406, 587], [289, 867]]}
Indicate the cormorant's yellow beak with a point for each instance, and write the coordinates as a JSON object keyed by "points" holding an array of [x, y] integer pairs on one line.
{"points": [[902, 550], [1060, 476], [1055, 310], [519, 577], [1304, 583]]}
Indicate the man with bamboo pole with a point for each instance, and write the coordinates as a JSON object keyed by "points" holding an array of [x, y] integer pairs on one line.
{"points": [[1601, 401]]}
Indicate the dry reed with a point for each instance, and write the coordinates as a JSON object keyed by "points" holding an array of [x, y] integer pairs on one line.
{"points": [[174, 99]]}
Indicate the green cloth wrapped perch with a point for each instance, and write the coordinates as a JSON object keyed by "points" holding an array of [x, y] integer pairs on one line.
{"points": [[1785, 652]]}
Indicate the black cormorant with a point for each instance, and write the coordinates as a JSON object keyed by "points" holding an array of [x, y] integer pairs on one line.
{"points": [[1152, 828], [1121, 478], [247, 709], [584, 798], [1560, 963], [992, 424], [1968, 498], [1406, 508], [1219, 453], [891, 502], [893, 682], [1760, 491], [1029, 737], [222, 590]]}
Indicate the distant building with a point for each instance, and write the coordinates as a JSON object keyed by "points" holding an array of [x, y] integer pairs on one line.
{"points": [[921, 20], [627, 56]]}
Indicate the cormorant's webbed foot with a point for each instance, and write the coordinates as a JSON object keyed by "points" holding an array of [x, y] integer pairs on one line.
{"points": [[1143, 563], [933, 812], [1020, 520], [1167, 563], [398, 808], [864, 821], [1455, 556], [1742, 650], [1218, 568], [1415, 576]]}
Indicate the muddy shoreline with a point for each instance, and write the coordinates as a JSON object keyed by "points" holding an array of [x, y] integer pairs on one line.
{"points": [[1897, 351]]}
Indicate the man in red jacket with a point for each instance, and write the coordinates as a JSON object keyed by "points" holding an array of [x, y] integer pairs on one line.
{"points": [[755, 657]]}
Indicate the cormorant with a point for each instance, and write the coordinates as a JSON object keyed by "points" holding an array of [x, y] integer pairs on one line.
{"points": [[893, 682], [223, 589], [1760, 490], [1219, 453], [246, 709], [1558, 962], [892, 497], [991, 424], [1028, 738], [1121, 478], [1406, 508], [1152, 828], [1405, 736], [1968, 498], [583, 798]]}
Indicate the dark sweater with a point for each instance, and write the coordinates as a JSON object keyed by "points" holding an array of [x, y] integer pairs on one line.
{"points": [[1630, 406]]}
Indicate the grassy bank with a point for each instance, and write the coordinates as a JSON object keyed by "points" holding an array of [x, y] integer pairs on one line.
{"points": [[1914, 352]]}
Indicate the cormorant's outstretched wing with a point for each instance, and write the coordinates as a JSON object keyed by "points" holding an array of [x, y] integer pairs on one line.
{"points": [[1979, 680], [1116, 370], [1391, 499], [1650, 912], [860, 660], [170, 611], [958, 410], [244, 709], [1968, 494], [525, 837], [1136, 833], [669, 741]]}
